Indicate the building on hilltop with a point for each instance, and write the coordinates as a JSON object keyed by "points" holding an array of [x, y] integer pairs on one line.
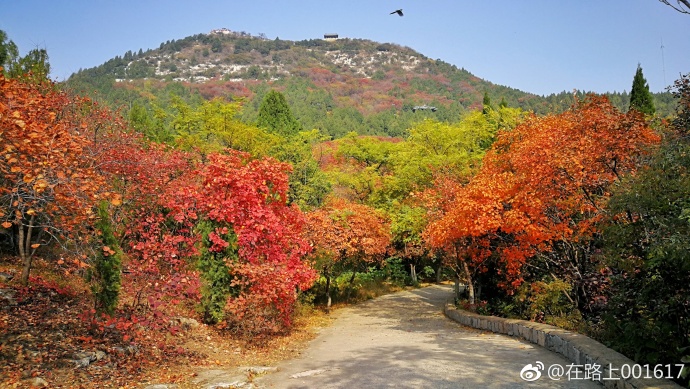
{"points": [[223, 31], [330, 37], [423, 107]]}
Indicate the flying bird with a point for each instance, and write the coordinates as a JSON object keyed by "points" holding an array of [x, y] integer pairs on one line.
{"points": [[398, 11]]}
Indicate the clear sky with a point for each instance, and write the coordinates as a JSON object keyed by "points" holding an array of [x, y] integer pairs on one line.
{"points": [[538, 46]]}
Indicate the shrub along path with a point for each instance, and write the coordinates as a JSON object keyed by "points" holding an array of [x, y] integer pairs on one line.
{"points": [[404, 340]]}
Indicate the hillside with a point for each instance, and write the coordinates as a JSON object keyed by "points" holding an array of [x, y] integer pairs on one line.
{"points": [[335, 85]]}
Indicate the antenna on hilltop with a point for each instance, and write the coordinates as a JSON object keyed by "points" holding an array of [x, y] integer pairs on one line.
{"points": [[663, 63]]}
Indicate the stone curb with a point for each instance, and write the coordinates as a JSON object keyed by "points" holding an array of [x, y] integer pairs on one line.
{"points": [[576, 348]]}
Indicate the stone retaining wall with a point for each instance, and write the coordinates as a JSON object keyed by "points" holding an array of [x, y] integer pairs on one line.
{"points": [[577, 348]]}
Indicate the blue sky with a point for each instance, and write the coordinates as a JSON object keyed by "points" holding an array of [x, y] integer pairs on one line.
{"points": [[538, 46]]}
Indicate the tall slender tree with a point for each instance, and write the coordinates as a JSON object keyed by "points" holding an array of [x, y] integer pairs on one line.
{"points": [[640, 97]]}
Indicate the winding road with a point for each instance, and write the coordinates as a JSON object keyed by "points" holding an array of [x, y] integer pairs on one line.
{"points": [[403, 340]]}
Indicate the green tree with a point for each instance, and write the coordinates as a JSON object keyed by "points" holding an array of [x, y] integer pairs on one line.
{"points": [[309, 185], [213, 126], [646, 243], [640, 97], [407, 225], [8, 51], [275, 115], [33, 67], [486, 103], [107, 264]]}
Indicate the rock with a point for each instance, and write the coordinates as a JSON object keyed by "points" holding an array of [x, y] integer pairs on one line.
{"points": [[185, 322], [84, 358], [6, 277], [84, 355], [83, 362], [7, 296], [100, 355], [38, 382]]}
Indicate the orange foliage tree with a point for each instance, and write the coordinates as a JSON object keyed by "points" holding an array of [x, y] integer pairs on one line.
{"points": [[542, 186], [346, 233], [49, 177]]}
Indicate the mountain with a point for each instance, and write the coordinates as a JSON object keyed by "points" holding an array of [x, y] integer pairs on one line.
{"points": [[335, 85]]}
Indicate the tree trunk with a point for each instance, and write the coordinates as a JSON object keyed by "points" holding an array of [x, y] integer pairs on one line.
{"points": [[327, 273], [470, 285], [439, 272], [27, 264], [413, 273], [25, 250]]}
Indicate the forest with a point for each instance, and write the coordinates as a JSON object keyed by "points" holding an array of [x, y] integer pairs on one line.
{"points": [[238, 213]]}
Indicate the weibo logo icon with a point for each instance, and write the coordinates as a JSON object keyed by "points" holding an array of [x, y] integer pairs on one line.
{"points": [[531, 372]]}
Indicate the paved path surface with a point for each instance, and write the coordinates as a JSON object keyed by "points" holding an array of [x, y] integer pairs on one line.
{"points": [[403, 340]]}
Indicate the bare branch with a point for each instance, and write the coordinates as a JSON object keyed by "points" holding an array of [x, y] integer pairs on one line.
{"points": [[682, 7]]}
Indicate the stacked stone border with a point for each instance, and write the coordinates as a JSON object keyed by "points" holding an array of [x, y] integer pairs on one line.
{"points": [[576, 348]]}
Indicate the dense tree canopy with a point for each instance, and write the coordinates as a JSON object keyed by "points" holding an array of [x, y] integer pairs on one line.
{"points": [[347, 234], [544, 182]]}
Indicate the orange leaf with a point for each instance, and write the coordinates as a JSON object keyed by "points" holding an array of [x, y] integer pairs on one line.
{"points": [[7, 224], [35, 246]]}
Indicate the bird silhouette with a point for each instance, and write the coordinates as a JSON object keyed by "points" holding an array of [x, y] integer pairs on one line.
{"points": [[398, 11]]}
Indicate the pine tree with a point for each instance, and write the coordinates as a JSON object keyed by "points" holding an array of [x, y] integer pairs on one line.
{"points": [[486, 103], [640, 97], [275, 115], [107, 266]]}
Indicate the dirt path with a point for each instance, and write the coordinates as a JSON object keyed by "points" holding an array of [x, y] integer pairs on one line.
{"points": [[403, 340]]}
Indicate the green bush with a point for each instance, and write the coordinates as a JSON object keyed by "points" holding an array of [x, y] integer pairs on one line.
{"points": [[215, 274], [548, 302]]}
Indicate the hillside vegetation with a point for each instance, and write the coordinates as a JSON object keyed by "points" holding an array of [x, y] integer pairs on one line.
{"points": [[335, 86]]}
